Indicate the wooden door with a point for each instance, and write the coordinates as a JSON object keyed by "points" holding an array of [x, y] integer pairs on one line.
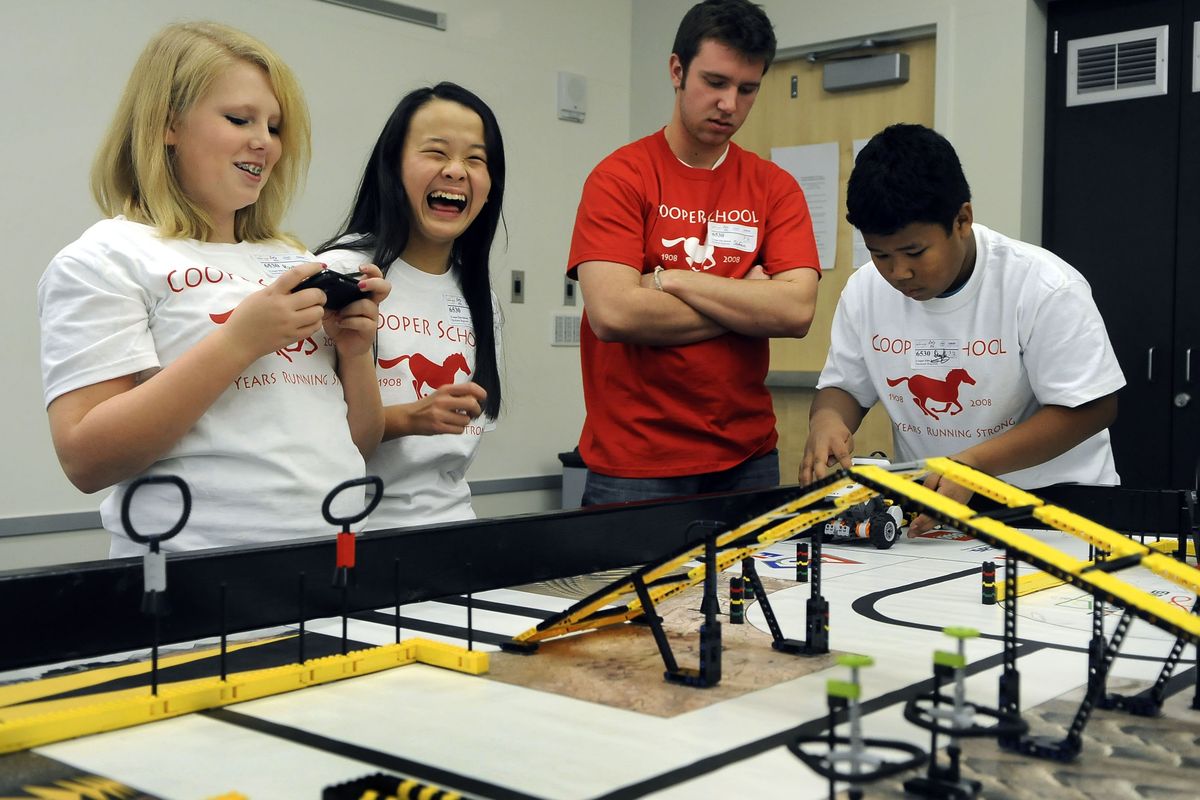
{"points": [[815, 116]]}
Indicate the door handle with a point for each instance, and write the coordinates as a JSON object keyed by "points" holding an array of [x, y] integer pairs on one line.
{"points": [[1150, 365], [1187, 365]]}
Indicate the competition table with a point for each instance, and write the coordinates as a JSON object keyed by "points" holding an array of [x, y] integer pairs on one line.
{"points": [[495, 740]]}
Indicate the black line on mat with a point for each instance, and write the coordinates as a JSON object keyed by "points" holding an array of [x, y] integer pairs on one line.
{"points": [[415, 769], [425, 626], [865, 606], [499, 608], [811, 728]]}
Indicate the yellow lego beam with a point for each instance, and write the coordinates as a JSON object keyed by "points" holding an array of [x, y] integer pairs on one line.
{"points": [[671, 577], [1116, 544], [1040, 581], [779, 523], [33, 724], [982, 483], [24, 692], [1028, 584], [1046, 557]]}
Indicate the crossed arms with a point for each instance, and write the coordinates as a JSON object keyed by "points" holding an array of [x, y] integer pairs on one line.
{"points": [[625, 306]]}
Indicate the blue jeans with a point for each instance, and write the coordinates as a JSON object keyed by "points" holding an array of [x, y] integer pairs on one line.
{"points": [[757, 473]]}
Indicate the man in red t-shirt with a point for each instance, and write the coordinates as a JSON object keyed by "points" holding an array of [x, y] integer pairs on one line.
{"points": [[691, 252]]}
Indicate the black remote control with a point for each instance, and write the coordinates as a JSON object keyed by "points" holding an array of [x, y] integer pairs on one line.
{"points": [[340, 290]]}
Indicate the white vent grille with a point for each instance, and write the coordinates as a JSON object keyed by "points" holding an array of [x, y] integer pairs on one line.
{"points": [[1117, 66], [566, 330]]}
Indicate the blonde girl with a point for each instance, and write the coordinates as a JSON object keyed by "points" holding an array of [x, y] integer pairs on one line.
{"points": [[172, 342]]}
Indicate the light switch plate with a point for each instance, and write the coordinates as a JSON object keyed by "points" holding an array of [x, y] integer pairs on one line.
{"points": [[518, 286]]}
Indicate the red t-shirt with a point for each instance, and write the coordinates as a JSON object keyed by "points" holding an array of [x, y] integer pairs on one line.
{"points": [[703, 407]]}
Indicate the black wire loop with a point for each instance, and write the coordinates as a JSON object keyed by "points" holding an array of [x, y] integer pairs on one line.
{"points": [[154, 538], [367, 480]]}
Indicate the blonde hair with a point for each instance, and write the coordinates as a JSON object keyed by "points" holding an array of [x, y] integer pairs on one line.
{"points": [[134, 174]]}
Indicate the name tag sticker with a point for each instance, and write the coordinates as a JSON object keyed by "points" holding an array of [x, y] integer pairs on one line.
{"points": [[457, 310], [734, 237], [936, 353], [277, 265]]}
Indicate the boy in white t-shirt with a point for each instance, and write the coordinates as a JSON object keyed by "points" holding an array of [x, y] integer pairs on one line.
{"points": [[980, 347]]}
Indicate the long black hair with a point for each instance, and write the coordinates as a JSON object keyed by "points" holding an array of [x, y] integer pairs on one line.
{"points": [[379, 222]]}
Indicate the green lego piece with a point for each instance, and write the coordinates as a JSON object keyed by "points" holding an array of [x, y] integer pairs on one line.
{"points": [[960, 633], [855, 660], [952, 660], [844, 689]]}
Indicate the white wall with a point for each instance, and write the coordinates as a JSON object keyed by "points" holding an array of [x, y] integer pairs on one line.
{"points": [[63, 64], [989, 92]]}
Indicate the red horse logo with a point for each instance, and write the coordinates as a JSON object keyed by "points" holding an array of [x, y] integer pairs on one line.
{"points": [[925, 389], [427, 373]]}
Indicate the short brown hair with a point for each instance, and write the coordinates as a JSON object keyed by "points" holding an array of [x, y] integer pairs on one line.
{"points": [[738, 24]]}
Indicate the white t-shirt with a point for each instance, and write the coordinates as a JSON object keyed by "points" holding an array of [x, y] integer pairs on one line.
{"points": [[426, 340], [121, 301], [1022, 333]]}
